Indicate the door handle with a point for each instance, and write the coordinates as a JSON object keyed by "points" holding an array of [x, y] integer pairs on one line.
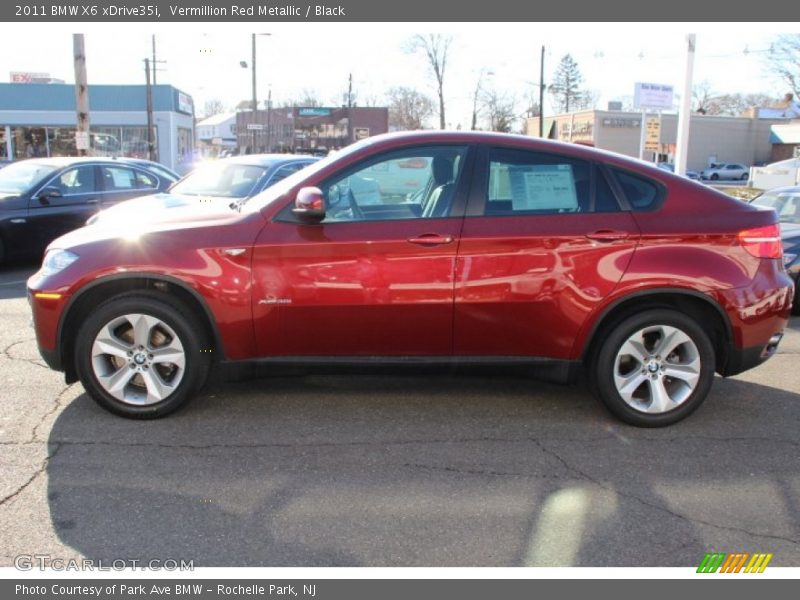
{"points": [[608, 235], [431, 239]]}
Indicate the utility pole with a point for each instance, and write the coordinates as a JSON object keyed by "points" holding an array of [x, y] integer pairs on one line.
{"points": [[255, 101], [684, 117], [350, 108], [82, 140], [155, 62], [149, 94], [541, 95], [269, 120]]}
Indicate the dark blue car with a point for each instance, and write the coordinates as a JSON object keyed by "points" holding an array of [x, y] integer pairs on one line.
{"points": [[229, 180]]}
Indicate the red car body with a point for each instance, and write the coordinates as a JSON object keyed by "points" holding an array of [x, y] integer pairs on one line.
{"points": [[467, 287]]}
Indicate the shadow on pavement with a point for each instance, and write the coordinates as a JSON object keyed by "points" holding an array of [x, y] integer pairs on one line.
{"points": [[426, 470]]}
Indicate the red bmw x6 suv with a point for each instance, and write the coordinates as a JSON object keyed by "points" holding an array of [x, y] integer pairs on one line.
{"points": [[428, 247]]}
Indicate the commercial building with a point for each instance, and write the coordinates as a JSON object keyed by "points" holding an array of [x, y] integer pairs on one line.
{"points": [[38, 119], [744, 140], [308, 129]]}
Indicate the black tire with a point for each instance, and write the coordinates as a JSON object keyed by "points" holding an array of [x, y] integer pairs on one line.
{"points": [[604, 365], [714, 177], [796, 301], [2, 251], [168, 312], [744, 177]]}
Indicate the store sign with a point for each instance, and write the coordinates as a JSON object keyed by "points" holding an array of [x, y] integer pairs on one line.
{"points": [[185, 104], [28, 77], [622, 123], [361, 133], [255, 127], [652, 140], [313, 111], [655, 96]]}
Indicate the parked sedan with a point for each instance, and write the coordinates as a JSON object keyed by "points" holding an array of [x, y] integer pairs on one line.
{"points": [[726, 171], [786, 202], [43, 198], [226, 181], [556, 257], [671, 168]]}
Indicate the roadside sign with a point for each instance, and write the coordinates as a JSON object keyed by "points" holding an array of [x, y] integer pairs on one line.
{"points": [[361, 133], [655, 96], [82, 140], [652, 141], [255, 127]]}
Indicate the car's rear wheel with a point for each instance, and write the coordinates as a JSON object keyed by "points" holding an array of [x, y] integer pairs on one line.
{"points": [[141, 356], [654, 368], [744, 177]]}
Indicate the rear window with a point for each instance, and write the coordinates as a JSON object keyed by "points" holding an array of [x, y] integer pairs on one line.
{"points": [[641, 193]]}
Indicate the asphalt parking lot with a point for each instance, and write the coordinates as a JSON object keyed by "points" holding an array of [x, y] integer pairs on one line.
{"points": [[418, 469]]}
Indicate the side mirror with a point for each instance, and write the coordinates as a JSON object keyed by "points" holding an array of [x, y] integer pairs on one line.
{"points": [[49, 192], [309, 205]]}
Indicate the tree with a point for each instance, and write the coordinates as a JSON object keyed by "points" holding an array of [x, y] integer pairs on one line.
{"points": [[784, 60], [408, 108], [214, 106], [308, 97], [500, 110], [566, 86], [701, 97], [435, 47]]}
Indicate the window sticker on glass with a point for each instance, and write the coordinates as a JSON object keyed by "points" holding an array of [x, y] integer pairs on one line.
{"points": [[543, 187]]}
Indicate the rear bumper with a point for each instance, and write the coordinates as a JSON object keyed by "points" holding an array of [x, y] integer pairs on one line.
{"points": [[758, 316], [742, 359]]}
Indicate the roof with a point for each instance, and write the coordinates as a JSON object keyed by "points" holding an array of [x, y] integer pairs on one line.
{"points": [[265, 160], [216, 119], [50, 96]]}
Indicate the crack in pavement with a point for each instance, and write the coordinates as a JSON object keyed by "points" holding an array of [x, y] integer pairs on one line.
{"points": [[659, 507], [481, 472], [32, 361], [56, 405], [323, 444], [32, 478]]}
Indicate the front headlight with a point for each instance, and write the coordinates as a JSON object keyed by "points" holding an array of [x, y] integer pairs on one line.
{"points": [[57, 260]]}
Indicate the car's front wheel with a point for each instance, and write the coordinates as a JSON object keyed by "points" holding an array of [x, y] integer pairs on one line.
{"points": [[654, 368], [714, 176], [141, 356]]}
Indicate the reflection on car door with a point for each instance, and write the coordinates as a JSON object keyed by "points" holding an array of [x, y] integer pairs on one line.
{"points": [[544, 241], [51, 217], [374, 280]]}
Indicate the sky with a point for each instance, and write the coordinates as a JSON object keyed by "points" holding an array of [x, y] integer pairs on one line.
{"points": [[204, 59]]}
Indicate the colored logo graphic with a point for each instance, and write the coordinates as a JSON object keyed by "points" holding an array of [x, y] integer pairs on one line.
{"points": [[741, 562]]}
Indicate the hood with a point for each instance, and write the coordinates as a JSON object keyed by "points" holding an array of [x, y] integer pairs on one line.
{"points": [[151, 208], [152, 214]]}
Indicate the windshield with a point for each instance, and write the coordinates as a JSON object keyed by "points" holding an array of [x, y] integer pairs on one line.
{"points": [[786, 204], [274, 192], [19, 177], [227, 180]]}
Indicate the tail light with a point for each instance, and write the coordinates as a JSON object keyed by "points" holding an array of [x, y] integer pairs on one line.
{"points": [[762, 242]]}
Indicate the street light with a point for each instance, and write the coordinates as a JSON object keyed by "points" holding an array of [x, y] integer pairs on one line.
{"points": [[243, 64]]}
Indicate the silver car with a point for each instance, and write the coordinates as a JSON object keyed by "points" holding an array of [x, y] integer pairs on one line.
{"points": [[726, 171]]}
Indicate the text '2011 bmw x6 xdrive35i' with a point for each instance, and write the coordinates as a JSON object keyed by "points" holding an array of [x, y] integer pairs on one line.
{"points": [[506, 250]]}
